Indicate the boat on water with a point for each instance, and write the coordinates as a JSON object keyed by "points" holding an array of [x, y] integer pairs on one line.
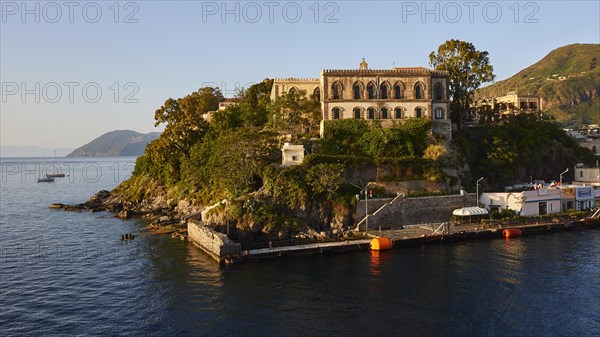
{"points": [[45, 180], [54, 174]]}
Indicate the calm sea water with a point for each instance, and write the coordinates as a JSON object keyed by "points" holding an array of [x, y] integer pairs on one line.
{"points": [[64, 273]]}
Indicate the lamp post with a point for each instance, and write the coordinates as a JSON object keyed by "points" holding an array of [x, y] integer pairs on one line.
{"points": [[478, 180], [565, 171]]}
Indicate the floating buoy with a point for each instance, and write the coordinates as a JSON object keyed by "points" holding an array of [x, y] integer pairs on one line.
{"points": [[512, 232], [381, 243]]}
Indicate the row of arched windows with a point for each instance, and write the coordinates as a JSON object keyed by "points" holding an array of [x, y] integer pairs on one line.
{"points": [[316, 93], [385, 91], [386, 113]]}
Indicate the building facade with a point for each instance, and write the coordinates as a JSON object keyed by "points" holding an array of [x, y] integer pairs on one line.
{"points": [[286, 85], [577, 197], [526, 203], [383, 95], [510, 103]]}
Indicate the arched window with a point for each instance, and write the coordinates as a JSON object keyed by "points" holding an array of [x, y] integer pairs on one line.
{"points": [[384, 113], [439, 113], [398, 92], [356, 113], [371, 90], [357, 90], [371, 113], [336, 90], [317, 94], [336, 113], [398, 113], [419, 91], [418, 112], [438, 92], [384, 91], [293, 90]]}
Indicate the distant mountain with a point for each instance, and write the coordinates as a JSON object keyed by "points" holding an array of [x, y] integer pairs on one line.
{"points": [[568, 81], [31, 151], [116, 143]]}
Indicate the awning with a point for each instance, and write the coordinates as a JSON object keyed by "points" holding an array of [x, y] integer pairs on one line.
{"points": [[468, 211]]}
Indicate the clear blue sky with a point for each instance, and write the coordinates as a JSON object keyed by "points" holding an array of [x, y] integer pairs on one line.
{"points": [[169, 49]]}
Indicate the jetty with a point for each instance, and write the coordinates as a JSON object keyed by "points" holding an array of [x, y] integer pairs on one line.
{"points": [[222, 249]]}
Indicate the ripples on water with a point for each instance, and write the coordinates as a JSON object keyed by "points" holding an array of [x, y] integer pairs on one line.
{"points": [[64, 273]]}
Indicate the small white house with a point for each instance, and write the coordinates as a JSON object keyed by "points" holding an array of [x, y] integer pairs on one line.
{"points": [[526, 203], [292, 154]]}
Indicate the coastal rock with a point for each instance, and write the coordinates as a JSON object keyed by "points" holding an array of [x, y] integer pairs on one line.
{"points": [[124, 214], [99, 197], [114, 207]]}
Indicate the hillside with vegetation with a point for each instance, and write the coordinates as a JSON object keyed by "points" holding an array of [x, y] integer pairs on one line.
{"points": [[232, 164], [227, 163], [522, 149], [568, 81]]}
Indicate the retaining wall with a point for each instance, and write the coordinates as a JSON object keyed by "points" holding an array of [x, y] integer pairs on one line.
{"points": [[409, 211], [216, 244]]}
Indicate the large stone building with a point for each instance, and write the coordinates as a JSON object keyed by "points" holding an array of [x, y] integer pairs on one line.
{"points": [[384, 95]]}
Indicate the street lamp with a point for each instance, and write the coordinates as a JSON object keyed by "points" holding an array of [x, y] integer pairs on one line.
{"points": [[567, 170], [478, 180]]}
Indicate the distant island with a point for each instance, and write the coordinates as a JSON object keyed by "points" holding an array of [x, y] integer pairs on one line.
{"points": [[116, 143]]}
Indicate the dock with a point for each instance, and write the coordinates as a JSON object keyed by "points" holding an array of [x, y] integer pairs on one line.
{"points": [[416, 235], [310, 248], [225, 250]]}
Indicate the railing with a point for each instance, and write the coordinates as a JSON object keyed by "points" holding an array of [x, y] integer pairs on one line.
{"points": [[377, 211], [281, 243]]}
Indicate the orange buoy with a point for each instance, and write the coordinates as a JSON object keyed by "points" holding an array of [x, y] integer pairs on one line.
{"points": [[512, 232], [381, 243]]}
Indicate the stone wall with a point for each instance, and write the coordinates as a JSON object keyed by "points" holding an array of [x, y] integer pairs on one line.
{"points": [[442, 127], [216, 244], [410, 211]]}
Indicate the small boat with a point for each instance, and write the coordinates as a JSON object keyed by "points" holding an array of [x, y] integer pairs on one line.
{"points": [[45, 180], [55, 174]]}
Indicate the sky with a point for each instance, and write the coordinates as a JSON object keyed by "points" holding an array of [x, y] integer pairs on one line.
{"points": [[71, 71]]}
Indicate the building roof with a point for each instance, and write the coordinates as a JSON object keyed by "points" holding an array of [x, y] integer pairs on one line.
{"points": [[468, 211]]}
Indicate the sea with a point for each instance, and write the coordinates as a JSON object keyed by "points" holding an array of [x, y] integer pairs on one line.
{"points": [[69, 274]]}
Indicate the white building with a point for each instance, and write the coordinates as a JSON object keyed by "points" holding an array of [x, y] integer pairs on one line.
{"points": [[525, 203], [292, 154], [587, 175]]}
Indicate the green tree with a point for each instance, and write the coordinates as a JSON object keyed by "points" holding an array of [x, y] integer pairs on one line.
{"points": [[232, 163], [325, 179], [294, 113], [468, 69], [254, 102], [183, 118]]}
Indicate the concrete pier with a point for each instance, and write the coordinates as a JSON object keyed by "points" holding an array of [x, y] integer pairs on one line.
{"points": [[221, 248]]}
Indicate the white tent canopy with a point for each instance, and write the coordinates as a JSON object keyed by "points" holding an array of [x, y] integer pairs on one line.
{"points": [[469, 211]]}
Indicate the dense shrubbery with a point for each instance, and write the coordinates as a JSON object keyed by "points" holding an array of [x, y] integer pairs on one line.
{"points": [[523, 148], [358, 137], [236, 157]]}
